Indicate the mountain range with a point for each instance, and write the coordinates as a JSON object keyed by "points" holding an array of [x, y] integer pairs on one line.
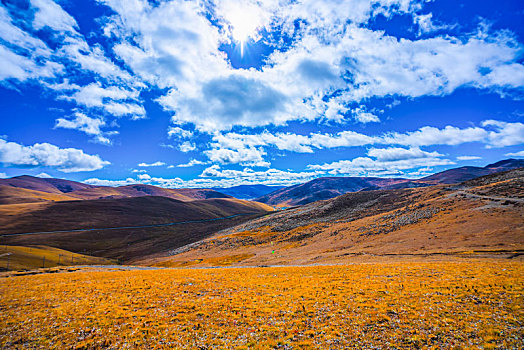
{"points": [[330, 187], [143, 223]]}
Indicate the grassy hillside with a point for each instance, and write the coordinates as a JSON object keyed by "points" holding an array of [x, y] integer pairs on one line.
{"points": [[481, 218], [33, 257], [13, 195]]}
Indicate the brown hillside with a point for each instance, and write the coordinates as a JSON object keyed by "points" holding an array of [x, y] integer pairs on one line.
{"points": [[13, 195], [140, 190], [57, 186], [483, 217], [125, 212]]}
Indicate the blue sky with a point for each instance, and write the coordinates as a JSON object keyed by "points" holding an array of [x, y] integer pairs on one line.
{"points": [[225, 92]]}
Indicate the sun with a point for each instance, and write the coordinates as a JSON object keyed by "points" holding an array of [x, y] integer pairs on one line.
{"points": [[244, 21]]}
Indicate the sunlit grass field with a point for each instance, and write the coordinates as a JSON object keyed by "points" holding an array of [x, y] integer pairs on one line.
{"points": [[440, 305]]}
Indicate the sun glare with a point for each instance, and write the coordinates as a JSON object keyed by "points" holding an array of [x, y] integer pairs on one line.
{"points": [[244, 21]]}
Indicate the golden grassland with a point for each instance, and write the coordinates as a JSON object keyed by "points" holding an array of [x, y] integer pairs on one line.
{"points": [[444, 305], [32, 257]]}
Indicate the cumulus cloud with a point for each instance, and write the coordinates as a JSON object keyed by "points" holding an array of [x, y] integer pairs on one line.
{"points": [[252, 148], [91, 126], [504, 134], [364, 166], [187, 146], [67, 160], [249, 156], [175, 131]]}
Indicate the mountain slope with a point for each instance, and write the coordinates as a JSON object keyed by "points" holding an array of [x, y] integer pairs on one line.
{"points": [[15, 191], [14, 195], [330, 187], [477, 218], [466, 173], [325, 188], [58, 186], [131, 241]]}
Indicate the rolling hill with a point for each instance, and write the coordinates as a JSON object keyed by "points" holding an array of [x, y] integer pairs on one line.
{"points": [[131, 213], [57, 186], [477, 218], [15, 190], [330, 187]]}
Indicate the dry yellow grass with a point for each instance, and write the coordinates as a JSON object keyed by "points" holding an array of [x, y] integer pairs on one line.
{"points": [[24, 258], [473, 305]]}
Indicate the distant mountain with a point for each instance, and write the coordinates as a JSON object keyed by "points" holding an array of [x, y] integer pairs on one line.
{"points": [[139, 190], [465, 173], [29, 189], [58, 186], [330, 187], [248, 191]]}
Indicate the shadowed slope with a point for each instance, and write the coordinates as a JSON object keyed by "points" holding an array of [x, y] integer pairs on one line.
{"points": [[127, 242]]}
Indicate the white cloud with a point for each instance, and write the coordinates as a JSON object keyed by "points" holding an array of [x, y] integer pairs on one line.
{"points": [[248, 156], [175, 131], [21, 68], [158, 163], [50, 14], [397, 153], [504, 133], [47, 155], [468, 157], [44, 176], [91, 126], [139, 171], [189, 164], [364, 166], [143, 177], [235, 148], [3, 176], [515, 154], [112, 183], [270, 176], [427, 136], [365, 117], [113, 99], [187, 146]]}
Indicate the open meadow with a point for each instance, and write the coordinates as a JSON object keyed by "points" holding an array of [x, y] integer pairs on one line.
{"points": [[469, 304]]}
